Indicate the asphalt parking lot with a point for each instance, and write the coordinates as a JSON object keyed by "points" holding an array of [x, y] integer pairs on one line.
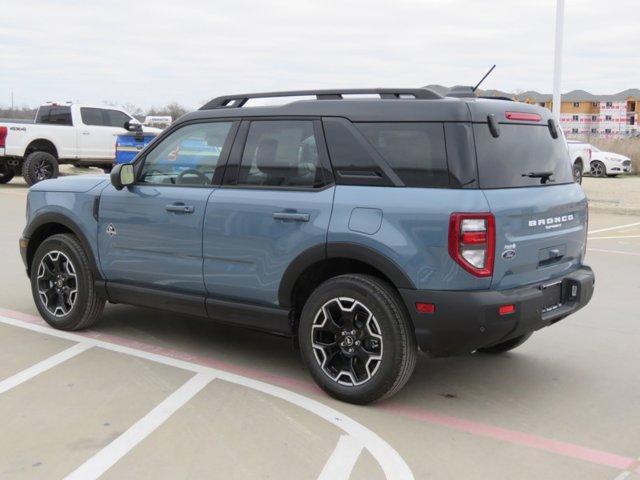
{"points": [[147, 394]]}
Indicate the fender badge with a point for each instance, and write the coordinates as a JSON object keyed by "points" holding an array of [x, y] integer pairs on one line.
{"points": [[508, 254], [111, 230]]}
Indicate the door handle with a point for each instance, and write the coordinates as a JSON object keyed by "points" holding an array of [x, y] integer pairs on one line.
{"points": [[179, 208], [291, 216], [86, 133]]}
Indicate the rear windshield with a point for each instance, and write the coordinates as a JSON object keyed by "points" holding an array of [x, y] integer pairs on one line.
{"points": [[522, 156]]}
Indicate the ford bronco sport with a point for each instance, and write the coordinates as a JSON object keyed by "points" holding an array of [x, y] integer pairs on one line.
{"points": [[367, 224]]}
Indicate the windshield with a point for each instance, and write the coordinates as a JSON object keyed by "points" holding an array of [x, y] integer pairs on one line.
{"points": [[521, 156]]}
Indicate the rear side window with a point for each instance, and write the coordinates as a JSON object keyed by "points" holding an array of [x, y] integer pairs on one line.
{"points": [[56, 115], [521, 157], [92, 116], [280, 153], [415, 151]]}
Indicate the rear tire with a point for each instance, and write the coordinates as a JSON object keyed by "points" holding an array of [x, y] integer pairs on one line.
{"points": [[506, 346], [39, 166], [598, 169], [62, 284], [356, 339], [577, 172], [6, 173]]}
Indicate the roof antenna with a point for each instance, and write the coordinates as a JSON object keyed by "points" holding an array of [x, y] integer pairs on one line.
{"points": [[482, 79]]}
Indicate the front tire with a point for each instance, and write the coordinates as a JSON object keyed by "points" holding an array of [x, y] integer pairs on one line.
{"points": [[39, 166], [6, 173], [356, 339], [62, 284], [598, 169], [506, 346]]}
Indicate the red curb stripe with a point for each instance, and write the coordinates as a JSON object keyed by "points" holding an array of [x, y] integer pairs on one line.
{"points": [[475, 428]]}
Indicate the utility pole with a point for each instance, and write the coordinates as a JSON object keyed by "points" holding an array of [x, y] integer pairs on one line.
{"points": [[557, 66]]}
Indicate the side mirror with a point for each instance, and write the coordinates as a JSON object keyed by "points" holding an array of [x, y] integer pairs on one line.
{"points": [[122, 175], [132, 126]]}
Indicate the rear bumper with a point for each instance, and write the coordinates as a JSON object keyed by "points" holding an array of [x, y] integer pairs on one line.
{"points": [[464, 321]]}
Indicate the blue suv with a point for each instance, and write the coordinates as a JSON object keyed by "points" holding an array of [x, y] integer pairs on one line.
{"points": [[366, 224]]}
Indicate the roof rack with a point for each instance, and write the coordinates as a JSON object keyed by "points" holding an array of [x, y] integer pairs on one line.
{"points": [[235, 101]]}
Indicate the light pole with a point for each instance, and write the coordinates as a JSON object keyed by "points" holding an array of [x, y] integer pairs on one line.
{"points": [[557, 64]]}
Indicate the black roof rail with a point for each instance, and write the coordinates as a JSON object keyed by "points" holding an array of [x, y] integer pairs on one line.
{"points": [[234, 101], [496, 98]]}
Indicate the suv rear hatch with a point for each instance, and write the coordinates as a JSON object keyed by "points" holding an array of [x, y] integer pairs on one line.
{"points": [[525, 174]]}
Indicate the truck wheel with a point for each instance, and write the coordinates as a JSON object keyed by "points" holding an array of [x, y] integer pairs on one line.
{"points": [[356, 339], [39, 166], [6, 173], [62, 284], [506, 346], [598, 169], [577, 172]]}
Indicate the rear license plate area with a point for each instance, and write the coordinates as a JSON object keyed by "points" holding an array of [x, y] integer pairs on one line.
{"points": [[551, 297]]}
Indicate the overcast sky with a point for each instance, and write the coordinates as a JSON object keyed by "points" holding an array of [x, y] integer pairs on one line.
{"points": [[153, 52]]}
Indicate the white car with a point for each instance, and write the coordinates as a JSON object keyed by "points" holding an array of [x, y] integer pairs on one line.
{"points": [[83, 135], [604, 164], [580, 154]]}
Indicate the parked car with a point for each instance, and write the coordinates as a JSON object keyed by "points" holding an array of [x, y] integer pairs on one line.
{"points": [[82, 135], [604, 164], [580, 155], [367, 229]]}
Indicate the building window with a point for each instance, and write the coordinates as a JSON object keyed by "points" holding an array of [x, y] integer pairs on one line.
{"points": [[594, 118], [541, 104], [594, 130], [595, 104], [607, 130], [609, 104], [576, 104], [574, 130], [574, 118], [607, 117]]}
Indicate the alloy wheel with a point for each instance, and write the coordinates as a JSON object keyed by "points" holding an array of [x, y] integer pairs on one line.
{"points": [[347, 341], [43, 170], [57, 283], [597, 169]]}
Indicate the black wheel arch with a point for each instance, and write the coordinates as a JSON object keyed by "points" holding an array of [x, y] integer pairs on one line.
{"points": [[51, 223], [41, 145], [334, 259]]}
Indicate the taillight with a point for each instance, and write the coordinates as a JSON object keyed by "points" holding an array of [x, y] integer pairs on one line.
{"points": [[589, 150], [472, 240], [3, 136]]}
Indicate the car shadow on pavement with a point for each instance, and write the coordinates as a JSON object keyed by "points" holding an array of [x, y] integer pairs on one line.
{"points": [[478, 379]]}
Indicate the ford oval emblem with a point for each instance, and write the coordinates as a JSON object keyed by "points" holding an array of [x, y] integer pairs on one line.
{"points": [[508, 254]]}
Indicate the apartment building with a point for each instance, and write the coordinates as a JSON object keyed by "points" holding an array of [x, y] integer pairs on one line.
{"points": [[583, 114]]}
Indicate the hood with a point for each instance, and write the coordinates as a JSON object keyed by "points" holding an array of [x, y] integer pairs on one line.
{"points": [[74, 183], [610, 155]]}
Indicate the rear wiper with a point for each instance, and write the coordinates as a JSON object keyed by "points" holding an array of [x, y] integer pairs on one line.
{"points": [[543, 176]]}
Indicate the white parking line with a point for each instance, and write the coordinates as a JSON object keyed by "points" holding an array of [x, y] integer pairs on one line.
{"points": [[109, 455], [392, 464], [342, 460], [43, 366], [614, 228], [614, 237], [620, 252]]}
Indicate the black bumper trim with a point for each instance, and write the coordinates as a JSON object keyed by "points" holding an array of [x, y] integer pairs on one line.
{"points": [[467, 320]]}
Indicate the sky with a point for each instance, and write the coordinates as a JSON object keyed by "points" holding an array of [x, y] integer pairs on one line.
{"points": [[150, 53]]}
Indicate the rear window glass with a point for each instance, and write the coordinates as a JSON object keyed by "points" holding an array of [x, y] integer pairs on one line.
{"points": [[521, 156], [54, 115], [415, 151]]}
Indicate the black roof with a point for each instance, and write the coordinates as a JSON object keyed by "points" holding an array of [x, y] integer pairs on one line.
{"points": [[392, 105]]}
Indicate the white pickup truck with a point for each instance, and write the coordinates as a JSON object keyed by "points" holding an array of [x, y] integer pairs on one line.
{"points": [[83, 135]]}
